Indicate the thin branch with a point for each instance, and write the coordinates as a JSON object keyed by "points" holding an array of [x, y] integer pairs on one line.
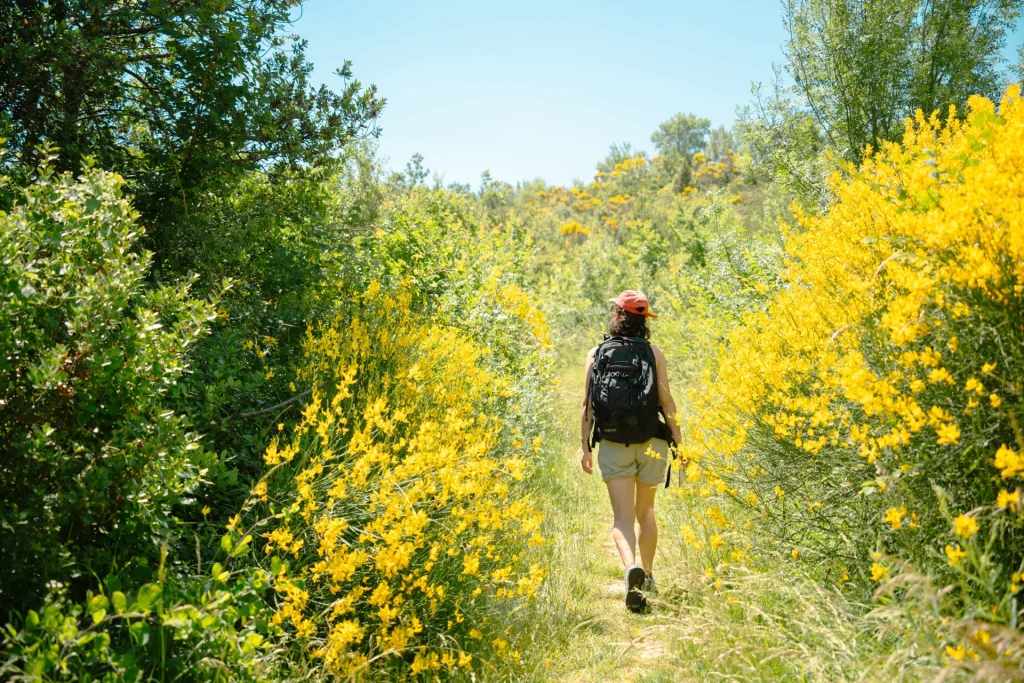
{"points": [[272, 408]]}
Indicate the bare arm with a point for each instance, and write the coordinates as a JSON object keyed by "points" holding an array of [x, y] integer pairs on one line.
{"points": [[668, 404], [587, 417]]}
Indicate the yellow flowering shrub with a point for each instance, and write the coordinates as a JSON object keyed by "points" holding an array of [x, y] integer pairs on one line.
{"points": [[403, 496], [880, 376]]}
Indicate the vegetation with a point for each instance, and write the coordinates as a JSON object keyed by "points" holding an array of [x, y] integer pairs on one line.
{"points": [[270, 412]]}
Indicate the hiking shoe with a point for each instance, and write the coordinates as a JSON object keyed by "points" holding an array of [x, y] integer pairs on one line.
{"points": [[650, 587], [635, 600]]}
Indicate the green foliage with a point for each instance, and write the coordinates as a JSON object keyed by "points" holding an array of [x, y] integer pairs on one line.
{"points": [[217, 630], [677, 140], [864, 67], [90, 356], [617, 153], [785, 143], [720, 141], [176, 96]]}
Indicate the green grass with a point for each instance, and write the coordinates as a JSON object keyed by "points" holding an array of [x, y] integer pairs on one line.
{"points": [[774, 624]]}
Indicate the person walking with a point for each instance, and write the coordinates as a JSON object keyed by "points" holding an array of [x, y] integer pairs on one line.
{"points": [[629, 411]]}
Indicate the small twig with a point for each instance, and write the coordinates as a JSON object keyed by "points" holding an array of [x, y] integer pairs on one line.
{"points": [[272, 408]]}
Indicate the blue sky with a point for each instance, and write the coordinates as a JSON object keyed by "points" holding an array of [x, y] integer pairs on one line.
{"points": [[541, 89]]}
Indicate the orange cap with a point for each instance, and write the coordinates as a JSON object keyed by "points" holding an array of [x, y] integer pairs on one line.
{"points": [[634, 302]]}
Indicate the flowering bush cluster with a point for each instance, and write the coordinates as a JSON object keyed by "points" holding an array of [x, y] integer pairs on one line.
{"points": [[868, 413], [402, 498]]}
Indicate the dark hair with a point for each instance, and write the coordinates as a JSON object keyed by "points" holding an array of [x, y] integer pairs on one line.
{"points": [[626, 324]]}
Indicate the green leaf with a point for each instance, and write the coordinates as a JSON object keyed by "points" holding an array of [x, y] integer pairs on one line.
{"points": [[140, 632], [32, 619], [97, 616], [242, 548], [147, 597], [98, 602], [120, 602], [226, 543]]}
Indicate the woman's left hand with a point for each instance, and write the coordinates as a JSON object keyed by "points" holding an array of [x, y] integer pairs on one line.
{"points": [[587, 462]]}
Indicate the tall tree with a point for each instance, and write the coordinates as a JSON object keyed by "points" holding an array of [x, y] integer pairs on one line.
{"points": [[681, 136], [617, 153], [677, 140], [176, 96], [863, 66], [720, 141]]}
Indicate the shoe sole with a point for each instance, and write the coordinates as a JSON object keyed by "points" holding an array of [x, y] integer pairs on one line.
{"points": [[635, 600]]}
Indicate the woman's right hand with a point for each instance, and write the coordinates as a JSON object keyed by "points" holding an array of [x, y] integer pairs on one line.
{"points": [[587, 461]]}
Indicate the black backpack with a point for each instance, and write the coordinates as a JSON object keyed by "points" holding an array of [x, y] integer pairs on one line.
{"points": [[623, 392]]}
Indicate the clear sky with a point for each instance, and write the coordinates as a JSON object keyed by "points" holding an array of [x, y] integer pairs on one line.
{"points": [[533, 89]]}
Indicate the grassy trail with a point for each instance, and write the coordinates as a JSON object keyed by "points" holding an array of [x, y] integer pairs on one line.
{"points": [[605, 642], [774, 624]]}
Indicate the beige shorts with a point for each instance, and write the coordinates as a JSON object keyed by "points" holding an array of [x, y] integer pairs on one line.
{"points": [[647, 461]]}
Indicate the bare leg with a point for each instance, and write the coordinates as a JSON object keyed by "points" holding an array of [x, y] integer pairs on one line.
{"points": [[621, 491], [648, 524]]}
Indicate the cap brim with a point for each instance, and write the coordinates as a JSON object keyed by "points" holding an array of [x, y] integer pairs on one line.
{"points": [[646, 315]]}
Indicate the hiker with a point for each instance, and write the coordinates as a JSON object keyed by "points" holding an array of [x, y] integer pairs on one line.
{"points": [[626, 410]]}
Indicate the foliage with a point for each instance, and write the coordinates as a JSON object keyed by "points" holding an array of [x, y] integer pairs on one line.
{"points": [[677, 140], [176, 96], [218, 630], [864, 67], [867, 413], [785, 143], [618, 153], [90, 357], [396, 489]]}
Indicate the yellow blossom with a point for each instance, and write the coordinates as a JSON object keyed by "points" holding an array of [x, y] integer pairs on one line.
{"points": [[965, 526], [954, 554]]}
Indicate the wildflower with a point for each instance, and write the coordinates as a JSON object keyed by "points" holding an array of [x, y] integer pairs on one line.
{"points": [[779, 492], [894, 517], [1009, 462], [716, 541], [206, 510], [965, 526], [954, 554], [879, 572], [1005, 499], [987, 368], [948, 434], [995, 400], [795, 553]]}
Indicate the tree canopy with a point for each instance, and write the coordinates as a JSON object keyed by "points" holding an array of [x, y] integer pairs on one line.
{"points": [[864, 66], [173, 95]]}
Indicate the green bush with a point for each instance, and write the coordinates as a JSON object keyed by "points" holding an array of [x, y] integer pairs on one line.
{"points": [[93, 461], [218, 629]]}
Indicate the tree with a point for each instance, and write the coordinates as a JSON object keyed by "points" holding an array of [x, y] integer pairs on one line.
{"points": [[720, 141], [785, 142], [175, 96], [617, 153], [864, 66], [681, 136], [677, 140], [415, 172]]}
